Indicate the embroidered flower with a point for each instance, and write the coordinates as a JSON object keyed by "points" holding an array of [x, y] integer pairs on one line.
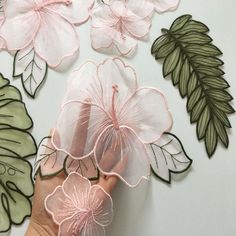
{"points": [[79, 208], [48, 24], [121, 120], [117, 26]]}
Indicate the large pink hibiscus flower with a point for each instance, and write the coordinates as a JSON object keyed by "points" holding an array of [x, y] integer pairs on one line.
{"points": [[47, 24], [121, 121]]}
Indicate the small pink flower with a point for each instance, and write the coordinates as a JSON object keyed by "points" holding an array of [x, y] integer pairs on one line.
{"points": [[117, 26], [79, 208], [122, 119], [48, 24]]}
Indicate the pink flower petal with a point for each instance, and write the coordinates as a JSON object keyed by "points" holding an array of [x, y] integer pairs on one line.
{"points": [[59, 205], [79, 126], [138, 28], [83, 85], [21, 24], [165, 5], [56, 39], [76, 12], [76, 226], [142, 9], [101, 204], [77, 188], [120, 152], [114, 72], [150, 116]]}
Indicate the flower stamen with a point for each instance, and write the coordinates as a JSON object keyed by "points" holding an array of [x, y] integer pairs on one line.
{"points": [[113, 109]]}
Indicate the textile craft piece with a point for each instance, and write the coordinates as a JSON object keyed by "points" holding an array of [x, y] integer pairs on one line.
{"points": [[32, 27], [118, 24], [16, 144], [79, 208], [104, 105], [50, 162], [193, 63], [105, 123]]}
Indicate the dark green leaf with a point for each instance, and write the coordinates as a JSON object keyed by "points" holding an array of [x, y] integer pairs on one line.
{"points": [[194, 26], [159, 42], [215, 82], [195, 38], [203, 123], [180, 22], [211, 139], [165, 50], [194, 98], [171, 62], [203, 50], [193, 62], [184, 78], [207, 61]]}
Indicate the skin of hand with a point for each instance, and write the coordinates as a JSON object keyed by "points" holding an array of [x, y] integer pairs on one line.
{"points": [[41, 223]]}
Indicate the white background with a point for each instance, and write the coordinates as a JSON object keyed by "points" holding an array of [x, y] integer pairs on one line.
{"points": [[200, 202]]}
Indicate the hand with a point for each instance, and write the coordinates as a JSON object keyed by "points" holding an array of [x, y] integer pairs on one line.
{"points": [[41, 223]]}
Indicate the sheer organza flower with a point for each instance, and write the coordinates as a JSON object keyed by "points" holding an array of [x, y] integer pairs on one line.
{"points": [[116, 26], [48, 24], [79, 208], [121, 120], [2, 17]]}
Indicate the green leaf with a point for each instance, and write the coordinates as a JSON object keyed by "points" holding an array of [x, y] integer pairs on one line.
{"points": [[14, 114], [171, 62], [192, 60], [16, 188], [16, 143], [19, 142], [211, 139], [180, 22]]}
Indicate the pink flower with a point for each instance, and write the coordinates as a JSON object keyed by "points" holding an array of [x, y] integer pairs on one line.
{"points": [[79, 208], [121, 121], [116, 26], [48, 24]]}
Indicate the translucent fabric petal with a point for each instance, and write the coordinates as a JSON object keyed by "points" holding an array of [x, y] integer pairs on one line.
{"points": [[59, 205], [112, 42], [142, 9], [118, 82], [101, 204], [138, 28], [78, 126], [83, 85], [102, 16], [77, 188], [77, 12], [20, 30], [165, 5], [150, 116], [78, 227], [2, 44], [121, 153], [55, 28]]}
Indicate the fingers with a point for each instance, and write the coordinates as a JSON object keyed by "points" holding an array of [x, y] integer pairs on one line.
{"points": [[109, 182], [81, 131]]}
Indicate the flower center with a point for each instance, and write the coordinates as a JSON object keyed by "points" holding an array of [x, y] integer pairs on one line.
{"points": [[119, 27], [49, 2], [113, 109]]}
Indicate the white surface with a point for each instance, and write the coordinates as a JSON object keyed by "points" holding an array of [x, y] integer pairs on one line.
{"points": [[201, 202]]}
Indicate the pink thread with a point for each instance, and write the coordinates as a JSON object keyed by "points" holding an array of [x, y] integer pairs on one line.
{"points": [[44, 4]]}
